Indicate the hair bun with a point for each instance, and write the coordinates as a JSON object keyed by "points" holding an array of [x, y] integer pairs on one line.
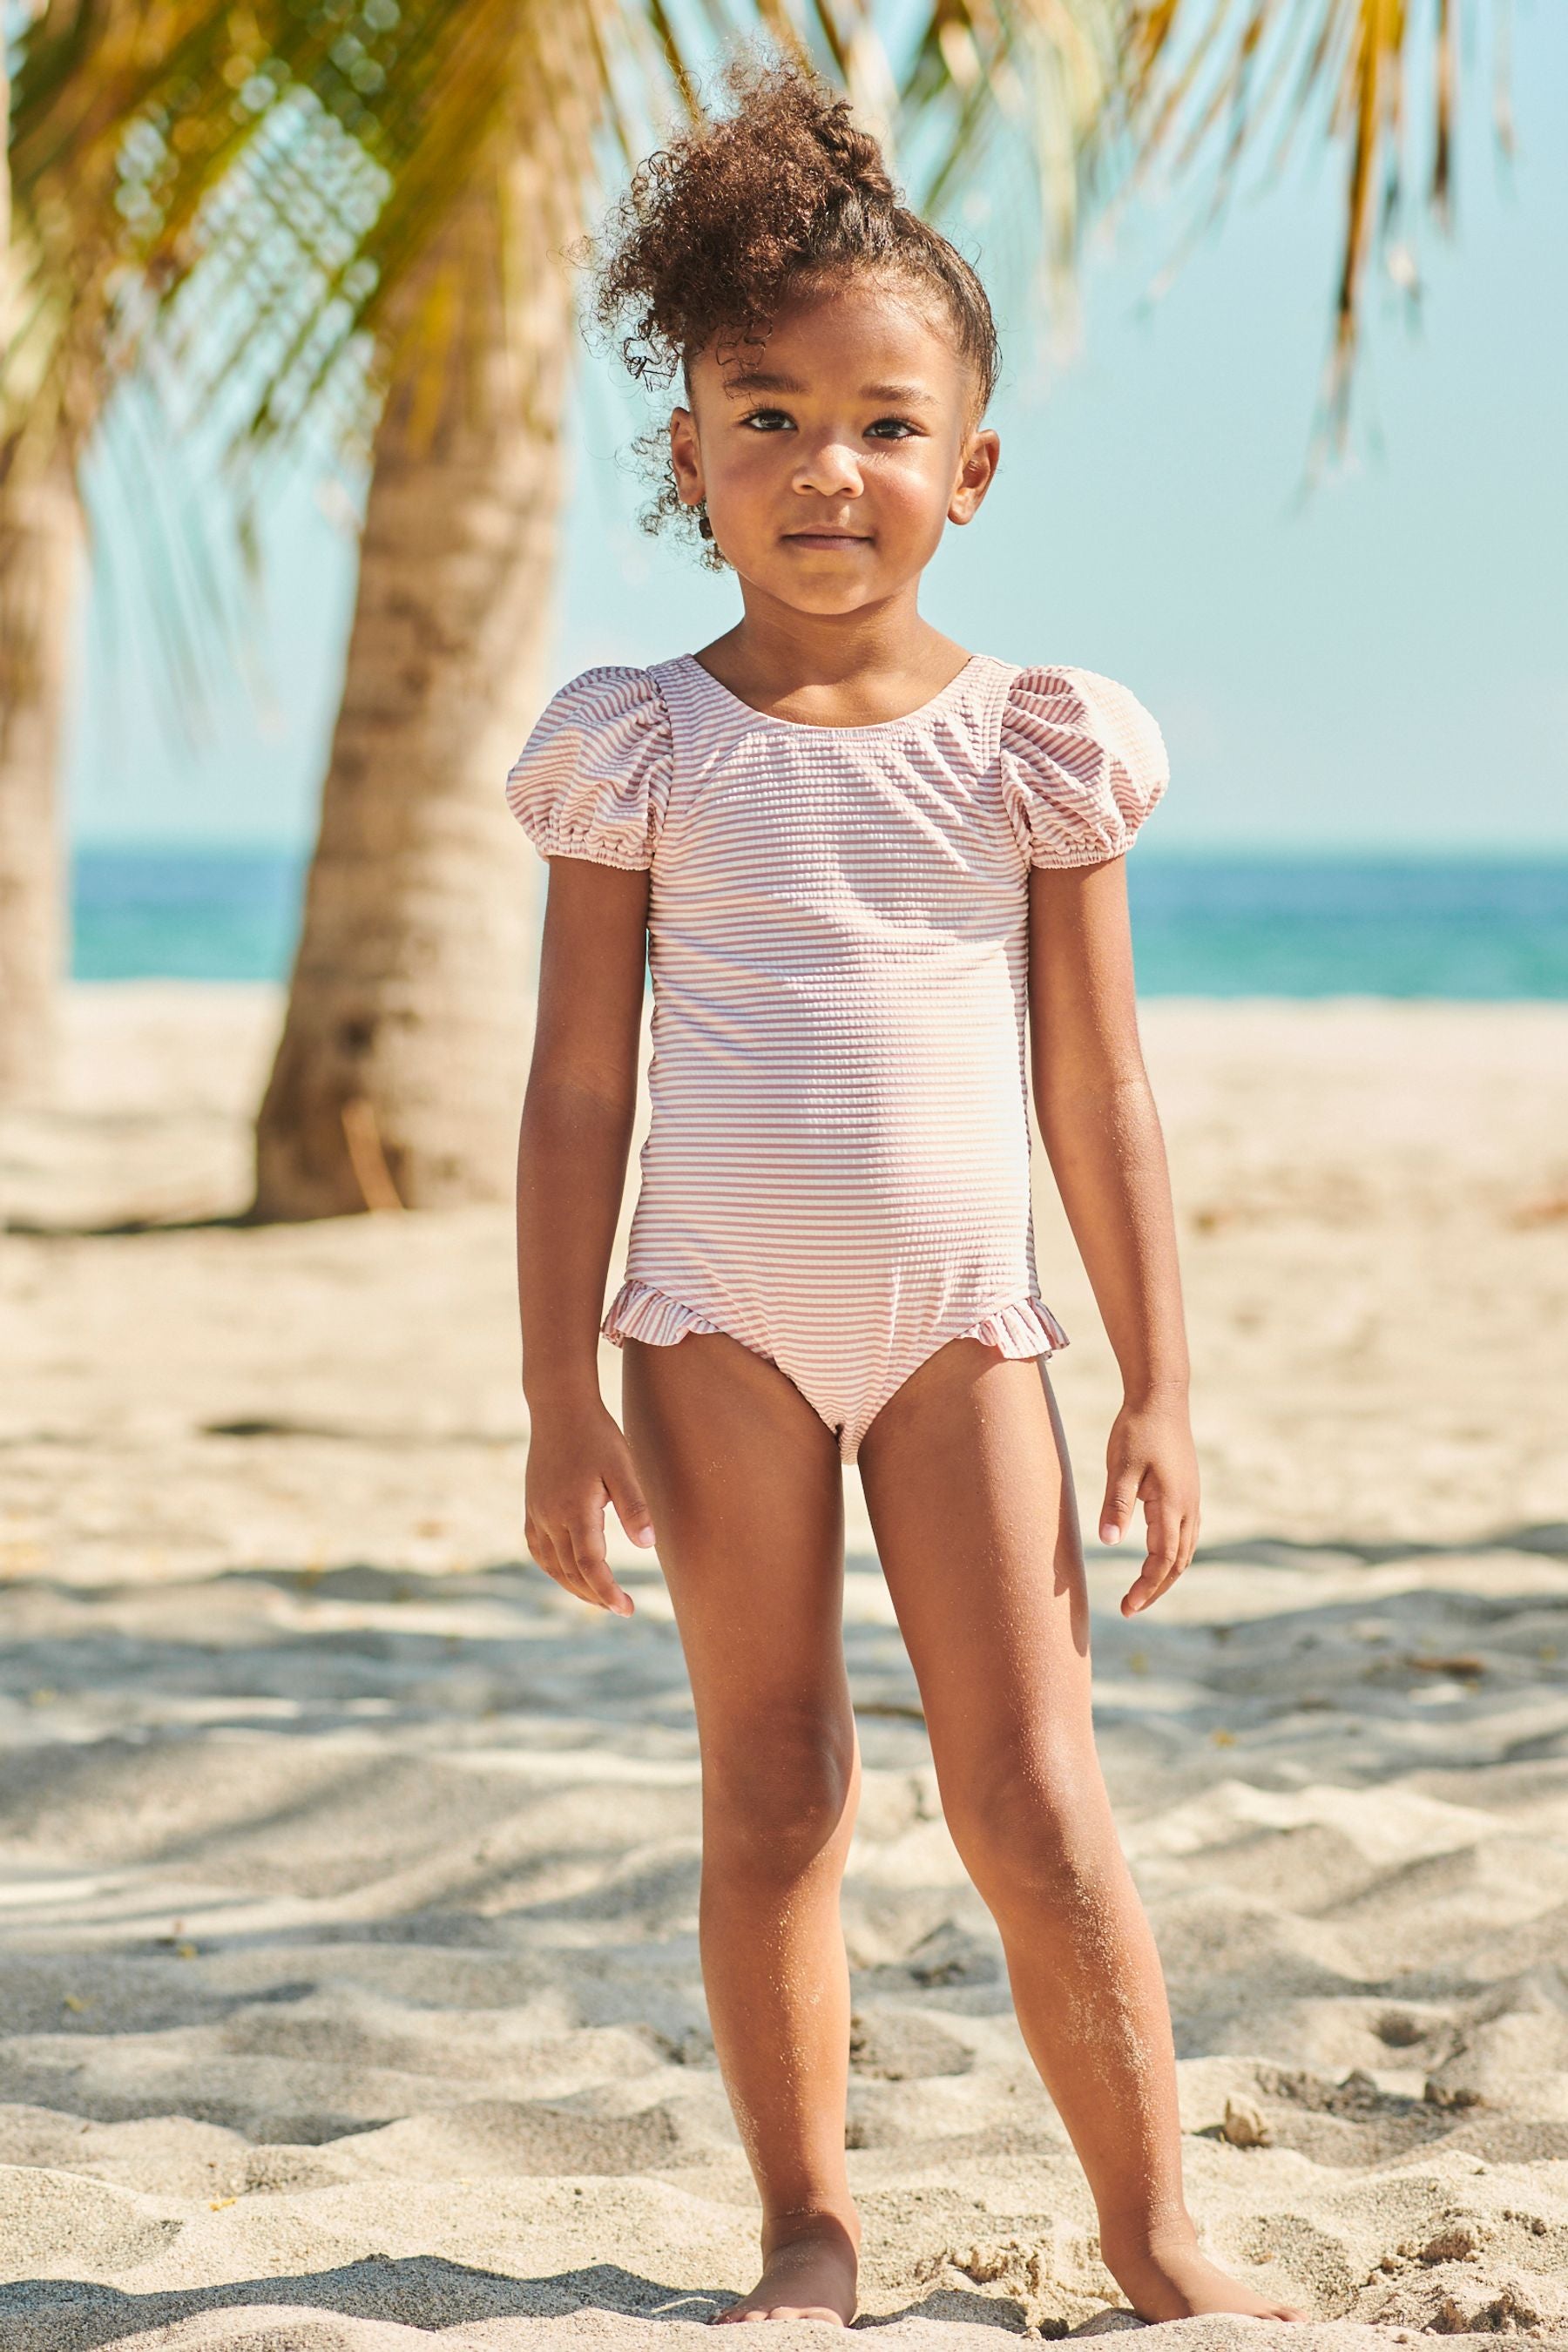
{"points": [[855, 154]]}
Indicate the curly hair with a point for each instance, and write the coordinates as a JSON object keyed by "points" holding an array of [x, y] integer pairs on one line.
{"points": [[718, 229]]}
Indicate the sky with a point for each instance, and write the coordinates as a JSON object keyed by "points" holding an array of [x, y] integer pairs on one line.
{"points": [[1377, 661]]}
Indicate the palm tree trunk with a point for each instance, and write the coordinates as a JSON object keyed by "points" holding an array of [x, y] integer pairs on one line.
{"points": [[400, 1071], [40, 579], [38, 527]]}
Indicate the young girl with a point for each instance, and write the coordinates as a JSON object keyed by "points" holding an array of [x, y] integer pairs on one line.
{"points": [[858, 856]]}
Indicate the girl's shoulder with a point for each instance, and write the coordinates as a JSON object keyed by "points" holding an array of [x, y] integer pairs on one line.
{"points": [[1083, 763], [593, 779]]}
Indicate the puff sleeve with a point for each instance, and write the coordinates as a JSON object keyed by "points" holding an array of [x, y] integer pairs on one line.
{"points": [[1082, 764], [593, 779]]}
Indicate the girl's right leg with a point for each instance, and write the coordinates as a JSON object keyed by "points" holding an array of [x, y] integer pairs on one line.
{"points": [[746, 1490]]}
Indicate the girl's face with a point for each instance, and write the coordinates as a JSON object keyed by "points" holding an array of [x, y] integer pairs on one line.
{"points": [[832, 456]]}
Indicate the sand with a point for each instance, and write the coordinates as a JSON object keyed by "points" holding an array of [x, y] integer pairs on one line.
{"points": [[349, 1991]]}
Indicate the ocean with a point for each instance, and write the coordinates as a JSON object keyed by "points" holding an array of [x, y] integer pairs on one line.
{"points": [[1203, 925]]}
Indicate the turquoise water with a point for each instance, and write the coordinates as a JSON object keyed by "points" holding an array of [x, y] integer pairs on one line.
{"points": [[1235, 926]]}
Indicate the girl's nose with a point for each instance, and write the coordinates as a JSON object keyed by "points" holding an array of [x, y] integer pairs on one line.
{"points": [[832, 470]]}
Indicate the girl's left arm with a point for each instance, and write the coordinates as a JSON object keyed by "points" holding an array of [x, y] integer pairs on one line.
{"points": [[1103, 1139]]}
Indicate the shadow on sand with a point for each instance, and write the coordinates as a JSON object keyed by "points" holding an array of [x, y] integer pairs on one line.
{"points": [[428, 2293]]}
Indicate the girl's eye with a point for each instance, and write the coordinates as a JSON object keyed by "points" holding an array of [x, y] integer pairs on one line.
{"points": [[777, 420]]}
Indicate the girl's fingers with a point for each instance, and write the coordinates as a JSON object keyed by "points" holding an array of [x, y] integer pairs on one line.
{"points": [[1116, 1511], [543, 1550], [1158, 1577], [1161, 1556], [560, 1570], [630, 1508], [1138, 1595], [552, 1547], [587, 1539], [1164, 1584], [569, 1546]]}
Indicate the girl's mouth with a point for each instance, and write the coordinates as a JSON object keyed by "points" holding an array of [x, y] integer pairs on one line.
{"points": [[829, 538]]}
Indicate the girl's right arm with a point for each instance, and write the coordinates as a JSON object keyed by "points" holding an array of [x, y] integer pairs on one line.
{"points": [[572, 1148]]}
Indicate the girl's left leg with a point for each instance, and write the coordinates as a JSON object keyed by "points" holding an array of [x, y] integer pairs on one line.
{"points": [[747, 1493], [967, 1485]]}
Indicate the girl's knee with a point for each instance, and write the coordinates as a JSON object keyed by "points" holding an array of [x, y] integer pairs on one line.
{"points": [[776, 1800], [1035, 1830]]}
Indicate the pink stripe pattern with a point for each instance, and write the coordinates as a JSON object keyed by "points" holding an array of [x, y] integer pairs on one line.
{"points": [[837, 1172]]}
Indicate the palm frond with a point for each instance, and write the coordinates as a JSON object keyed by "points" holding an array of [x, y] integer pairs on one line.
{"points": [[1358, 55]]}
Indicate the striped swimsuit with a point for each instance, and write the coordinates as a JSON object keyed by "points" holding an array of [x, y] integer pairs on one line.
{"points": [[837, 1168]]}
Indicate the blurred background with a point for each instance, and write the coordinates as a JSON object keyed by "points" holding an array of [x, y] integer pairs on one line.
{"points": [[343, 1855], [290, 342], [1357, 669]]}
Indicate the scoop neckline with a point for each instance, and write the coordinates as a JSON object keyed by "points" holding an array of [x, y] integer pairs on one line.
{"points": [[813, 727]]}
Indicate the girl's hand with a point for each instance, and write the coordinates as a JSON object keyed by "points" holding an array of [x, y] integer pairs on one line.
{"points": [[1151, 1459], [577, 1460]]}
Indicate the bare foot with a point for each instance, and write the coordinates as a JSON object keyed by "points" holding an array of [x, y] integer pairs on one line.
{"points": [[1169, 2277], [807, 2273]]}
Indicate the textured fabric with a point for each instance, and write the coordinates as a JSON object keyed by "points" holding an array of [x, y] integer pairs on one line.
{"points": [[837, 1168], [593, 777], [1082, 764]]}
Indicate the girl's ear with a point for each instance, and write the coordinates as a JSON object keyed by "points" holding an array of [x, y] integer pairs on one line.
{"points": [[976, 472], [685, 457]]}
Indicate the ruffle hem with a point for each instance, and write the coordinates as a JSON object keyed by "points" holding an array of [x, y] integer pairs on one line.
{"points": [[640, 1311]]}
